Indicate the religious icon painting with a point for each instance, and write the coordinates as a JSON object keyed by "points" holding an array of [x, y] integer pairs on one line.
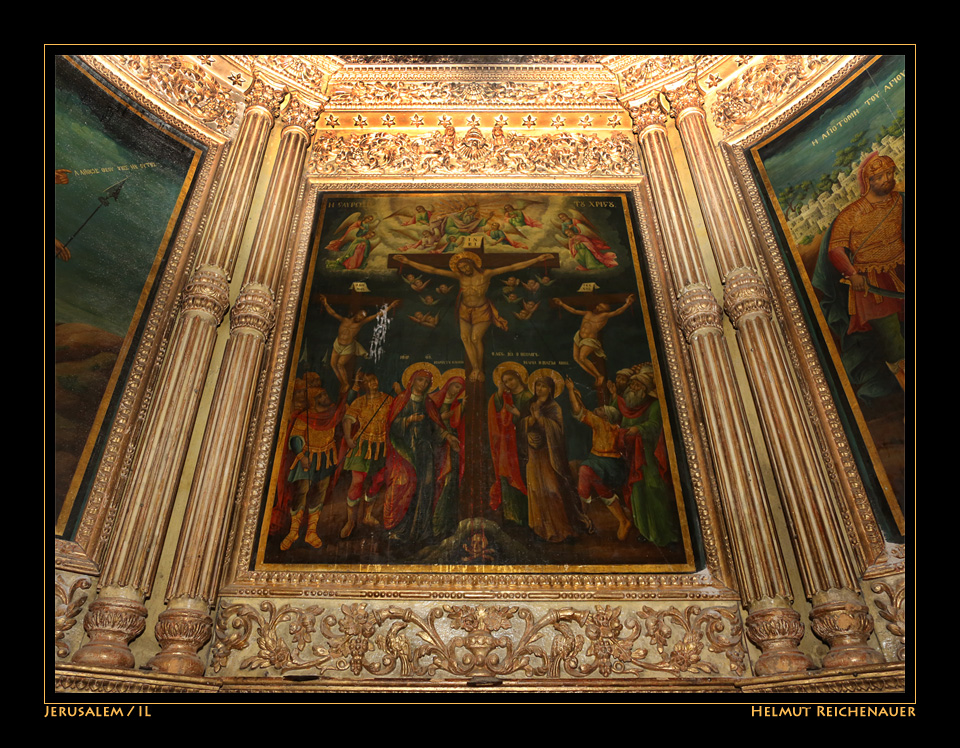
{"points": [[476, 386], [122, 184], [836, 186]]}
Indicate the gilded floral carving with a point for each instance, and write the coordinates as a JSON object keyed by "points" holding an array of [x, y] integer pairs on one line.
{"points": [[763, 86], [893, 611], [500, 152], [187, 86], [70, 601], [487, 641]]}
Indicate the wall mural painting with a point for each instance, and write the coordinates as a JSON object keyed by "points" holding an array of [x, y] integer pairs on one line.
{"points": [[837, 182], [120, 182], [476, 386]]}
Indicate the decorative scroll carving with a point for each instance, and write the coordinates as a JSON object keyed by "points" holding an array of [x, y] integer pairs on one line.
{"points": [[893, 612], [478, 641], [764, 86], [70, 601], [441, 152], [186, 86]]}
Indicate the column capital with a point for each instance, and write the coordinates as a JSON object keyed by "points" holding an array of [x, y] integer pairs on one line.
{"points": [[264, 95], [745, 294], [698, 309], [648, 114], [254, 310], [207, 293], [685, 96], [301, 113]]}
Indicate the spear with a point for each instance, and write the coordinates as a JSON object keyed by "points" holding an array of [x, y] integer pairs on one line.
{"points": [[104, 200]]}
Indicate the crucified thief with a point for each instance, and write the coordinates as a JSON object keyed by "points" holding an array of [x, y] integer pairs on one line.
{"points": [[346, 346], [586, 342]]}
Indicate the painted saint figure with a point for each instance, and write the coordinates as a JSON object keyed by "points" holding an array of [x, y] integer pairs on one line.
{"points": [[415, 431], [505, 410], [860, 274], [651, 494], [475, 311], [586, 342], [365, 435], [553, 510], [311, 460]]}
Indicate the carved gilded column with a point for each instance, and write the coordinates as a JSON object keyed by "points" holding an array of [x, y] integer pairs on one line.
{"points": [[805, 490], [185, 626], [118, 615], [761, 571]]}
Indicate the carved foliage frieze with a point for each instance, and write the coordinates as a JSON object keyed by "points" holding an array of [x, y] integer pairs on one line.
{"points": [[499, 153], [763, 87], [477, 641], [70, 595], [185, 85], [890, 602]]}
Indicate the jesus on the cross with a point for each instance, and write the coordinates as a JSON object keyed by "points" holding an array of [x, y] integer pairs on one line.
{"points": [[474, 310]]}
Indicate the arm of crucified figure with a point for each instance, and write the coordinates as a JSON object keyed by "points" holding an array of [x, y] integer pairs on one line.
{"points": [[515, 266], [426, 268]]}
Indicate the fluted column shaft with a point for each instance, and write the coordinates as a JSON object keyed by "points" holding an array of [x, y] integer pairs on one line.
{"points": [[761, 571], [805, 491], [118, 615], [185, 626]]}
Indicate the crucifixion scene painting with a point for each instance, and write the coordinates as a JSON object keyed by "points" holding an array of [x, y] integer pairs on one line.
{"points": [[476, 385]]}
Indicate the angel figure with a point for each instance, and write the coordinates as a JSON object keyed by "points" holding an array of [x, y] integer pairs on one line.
{"points": [[356, 239], [529, 307], [417, 283]]}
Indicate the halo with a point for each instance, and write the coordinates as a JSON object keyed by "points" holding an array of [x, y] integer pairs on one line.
{"points": [[413, 368], [472, 256], [450, 374], [553, 374], [509, 366]]}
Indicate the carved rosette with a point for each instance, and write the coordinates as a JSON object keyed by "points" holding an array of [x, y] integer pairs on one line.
{"points": [[777, 632], [254, 310], [698, 310], [486, 641], [111, 624], [745, 294], [207, 293], [845, 626], [181, 633]]}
